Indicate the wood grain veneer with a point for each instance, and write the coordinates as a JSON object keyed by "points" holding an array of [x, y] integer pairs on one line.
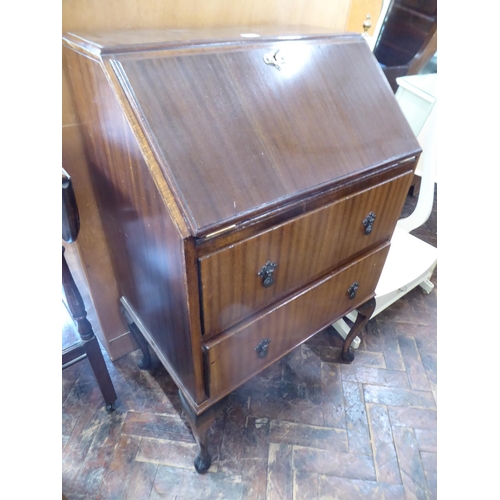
{"points": [[280, 156], [147, 248], [303, 249], [206, 162], [231, 357], [114, 15]]}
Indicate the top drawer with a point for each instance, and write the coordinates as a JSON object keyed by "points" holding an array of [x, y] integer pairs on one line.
{"points": [[299, 250]]}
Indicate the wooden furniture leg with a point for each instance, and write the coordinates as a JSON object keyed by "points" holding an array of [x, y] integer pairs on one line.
{"points": [[364, 313], [415, 186], [200, 424], [89, 344], [145, 362]]}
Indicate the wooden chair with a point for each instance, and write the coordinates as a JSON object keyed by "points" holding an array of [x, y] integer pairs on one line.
{"points": [[88, 347]]}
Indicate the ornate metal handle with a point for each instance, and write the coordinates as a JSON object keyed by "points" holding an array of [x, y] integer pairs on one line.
{"points": [[261, 348], [266, 273], [351, 291], [368, 222], [276, 60]]}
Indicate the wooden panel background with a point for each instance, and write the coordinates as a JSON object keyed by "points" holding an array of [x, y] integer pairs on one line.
{"points": [[104, 15], [357, 15]]}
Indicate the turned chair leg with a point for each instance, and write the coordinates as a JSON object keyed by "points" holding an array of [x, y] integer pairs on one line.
{"points": [[364, 314], [200, 425], [89, 340]]}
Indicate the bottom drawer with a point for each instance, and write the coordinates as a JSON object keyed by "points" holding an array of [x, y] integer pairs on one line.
{"points": [[244, 350]]}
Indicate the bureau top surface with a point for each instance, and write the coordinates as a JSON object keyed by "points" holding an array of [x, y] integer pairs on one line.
{"points": [[242, 120], [121, 41]]}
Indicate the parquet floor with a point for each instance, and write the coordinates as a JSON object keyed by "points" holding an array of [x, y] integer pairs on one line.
{"points": [[308, 427]]}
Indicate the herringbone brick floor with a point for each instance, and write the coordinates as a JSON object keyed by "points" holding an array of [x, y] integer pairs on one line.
{"points": [[308, 427]]}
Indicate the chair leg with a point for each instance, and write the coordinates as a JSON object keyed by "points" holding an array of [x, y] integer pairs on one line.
{"points": [[101, 373], [89, 340]]}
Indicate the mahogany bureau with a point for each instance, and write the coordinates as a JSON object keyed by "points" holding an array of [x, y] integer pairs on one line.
{"points": [[249, 181]]}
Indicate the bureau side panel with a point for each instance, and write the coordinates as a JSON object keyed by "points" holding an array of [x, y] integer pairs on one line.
{"points": [[147, 249]]}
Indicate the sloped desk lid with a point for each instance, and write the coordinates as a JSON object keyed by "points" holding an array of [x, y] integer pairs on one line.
{"points": [[236, 136]]}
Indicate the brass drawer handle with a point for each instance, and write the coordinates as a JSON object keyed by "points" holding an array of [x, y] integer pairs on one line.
{"points": [[261, 348], [368, 222], [266, 273], [351, 291]]}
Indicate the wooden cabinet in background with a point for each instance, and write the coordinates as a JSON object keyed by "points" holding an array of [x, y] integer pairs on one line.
{"points": [[409, 27], [248, 181]]}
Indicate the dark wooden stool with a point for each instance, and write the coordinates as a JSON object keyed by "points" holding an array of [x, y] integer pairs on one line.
{"points": [[88, 347]]}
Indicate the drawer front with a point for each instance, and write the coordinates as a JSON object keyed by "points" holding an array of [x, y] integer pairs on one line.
{"points": [[303, 249], [246, 349]]}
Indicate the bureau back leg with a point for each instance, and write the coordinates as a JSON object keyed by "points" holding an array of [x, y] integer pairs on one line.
{"points": [[145, 362], [200, 424], [364, 314]]}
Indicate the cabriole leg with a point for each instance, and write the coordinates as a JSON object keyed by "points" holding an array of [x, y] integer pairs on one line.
{"points": [[364, 313], [200, 424]]}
